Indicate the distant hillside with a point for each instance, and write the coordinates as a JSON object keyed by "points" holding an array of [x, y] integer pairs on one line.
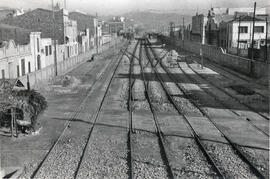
{"points": [[153, 20]]}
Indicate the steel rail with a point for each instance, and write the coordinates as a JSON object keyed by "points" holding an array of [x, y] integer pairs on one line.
{"points": [[77, 110], [193, 132], [233, 144], [220, 101], [164, 154]]}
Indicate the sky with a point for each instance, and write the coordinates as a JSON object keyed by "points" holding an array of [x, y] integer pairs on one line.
{"points": [[116, 7]]}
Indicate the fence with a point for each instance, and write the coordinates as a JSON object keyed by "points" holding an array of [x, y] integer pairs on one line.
{"points": [[216, 54]]}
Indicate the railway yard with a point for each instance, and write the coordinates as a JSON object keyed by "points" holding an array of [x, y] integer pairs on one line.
{"points": [[145, 110]]}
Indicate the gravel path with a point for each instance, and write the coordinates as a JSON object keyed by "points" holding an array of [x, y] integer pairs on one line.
{"points": [[232, 165], [146, 152], [106, 154], [63, 160]]}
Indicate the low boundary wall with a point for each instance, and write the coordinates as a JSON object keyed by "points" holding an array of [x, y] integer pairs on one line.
{"points": [[47, 74], [216, 54]]}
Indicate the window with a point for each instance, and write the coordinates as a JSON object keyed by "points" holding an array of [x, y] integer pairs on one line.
{"points": [[38, 44], [46, 50], [258, 29], [38, 62], [243, 29], [18, 71], [3, 74], [29, 67], [23, 66], [50, 49], [243, 41]]}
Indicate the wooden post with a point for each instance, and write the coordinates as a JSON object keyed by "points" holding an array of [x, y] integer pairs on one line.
{"points": [[252, 42], [183, 32], [28, 83], [266, 39], [253, 25], [97, 33], [15, 123], [11, 122]]}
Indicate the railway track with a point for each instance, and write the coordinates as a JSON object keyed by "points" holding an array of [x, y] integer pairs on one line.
{"points": [[248, 119], [130, 109], [193, 132], [230, 141], [220, 101], [97, 114], [158, 130], [227, 93], [77, 112]]}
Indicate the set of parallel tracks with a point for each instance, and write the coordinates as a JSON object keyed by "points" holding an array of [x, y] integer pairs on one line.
{"points": [[130, 109], [220, 101], [193, 132], [196, 137], [77, 112], [233, 97], [164, 154]]}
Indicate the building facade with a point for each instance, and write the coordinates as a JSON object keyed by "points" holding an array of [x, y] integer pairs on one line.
{"points": [[241, 30], [52, 24], [15, 60], [198, 28]]}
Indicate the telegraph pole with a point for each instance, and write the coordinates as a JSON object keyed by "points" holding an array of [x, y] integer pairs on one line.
{"points": [[252, 41], [54, 36], [183, 32], [266, 38], [238, 35], [65, 4], [97, 32]]}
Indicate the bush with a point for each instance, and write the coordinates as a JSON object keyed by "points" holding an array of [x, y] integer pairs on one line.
{"points": [[28, 105]]}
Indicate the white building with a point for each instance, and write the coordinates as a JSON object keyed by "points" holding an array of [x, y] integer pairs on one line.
{"points": [[245, 30], [15, 61]]}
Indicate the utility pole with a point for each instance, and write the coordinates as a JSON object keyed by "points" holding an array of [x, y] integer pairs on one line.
{"points": [[54, 36], [266, 38], [65, 4], [97, 32], [183, 32], [238, 35], [252, 41], [201, 52]]}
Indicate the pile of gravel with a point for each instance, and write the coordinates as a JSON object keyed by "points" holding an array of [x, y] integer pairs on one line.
{"points": [[164, 107], [187, 160], [156, 93], [148, 162], [124, 93], [138, 91], [106, 154], [186, 106], [62, 161]]}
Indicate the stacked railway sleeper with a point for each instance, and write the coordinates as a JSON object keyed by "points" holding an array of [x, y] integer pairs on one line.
{"points": [[65, 156], [229, 158]]}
